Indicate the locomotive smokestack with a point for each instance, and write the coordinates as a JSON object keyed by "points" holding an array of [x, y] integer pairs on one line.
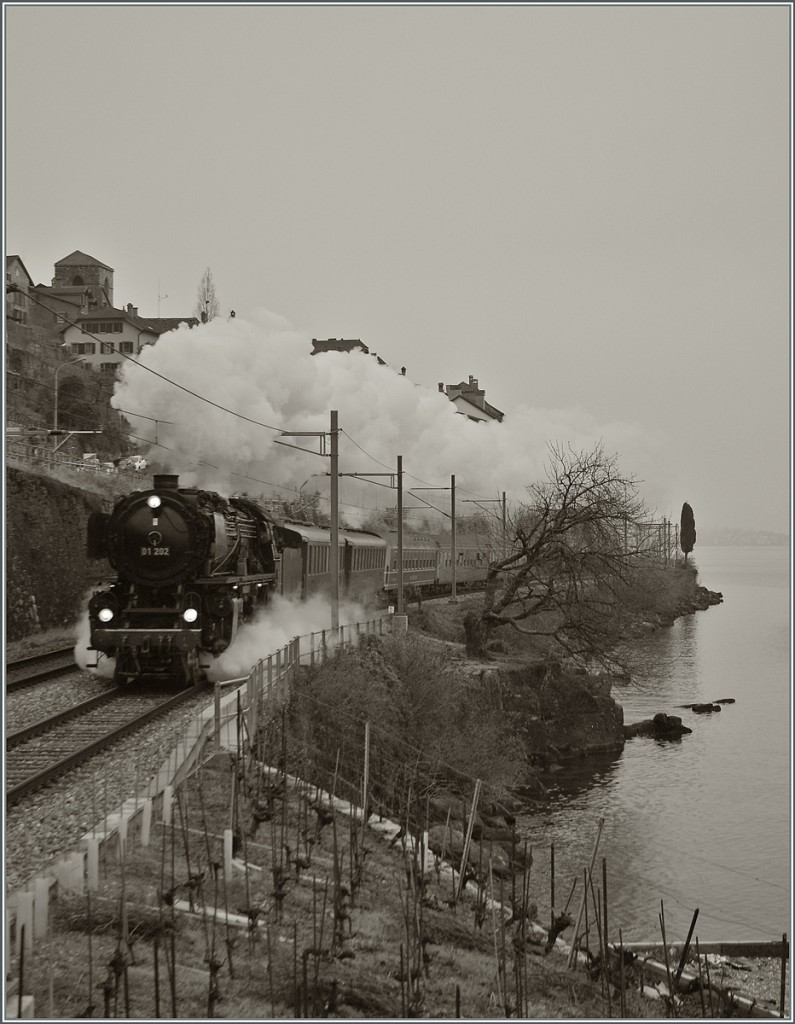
{"points": [[166, 482]]}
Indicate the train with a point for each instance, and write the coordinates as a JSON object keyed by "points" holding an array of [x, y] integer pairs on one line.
{"points": [[191, 566]]}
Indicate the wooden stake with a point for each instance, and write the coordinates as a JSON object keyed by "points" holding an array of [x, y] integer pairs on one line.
{"points": [[606, 961], [709, 987], [552, 883], [667, 965], [573, 950], [783, 990], [683, 958], [700, 981], [157, 976], [468, 840]]}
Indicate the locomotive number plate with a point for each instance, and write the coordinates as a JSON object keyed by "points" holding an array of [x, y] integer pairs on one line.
{"points": [[155, 551]]}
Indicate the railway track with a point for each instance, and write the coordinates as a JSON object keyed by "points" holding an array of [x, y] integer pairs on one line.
{"points": [[40, 667], [42, 752]]}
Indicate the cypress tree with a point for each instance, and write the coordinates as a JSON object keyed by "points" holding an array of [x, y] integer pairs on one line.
{"points": [[687, 530]]}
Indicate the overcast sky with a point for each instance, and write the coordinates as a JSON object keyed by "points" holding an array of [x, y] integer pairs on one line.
{"points": [[587, 208]]}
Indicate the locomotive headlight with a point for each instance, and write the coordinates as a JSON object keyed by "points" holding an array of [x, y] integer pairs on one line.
{"points": [[191, 603], [153, 501], [104, 605]]}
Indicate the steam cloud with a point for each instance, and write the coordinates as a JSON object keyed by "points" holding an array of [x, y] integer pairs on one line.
{"points": [[263, 369], [283, 621]]}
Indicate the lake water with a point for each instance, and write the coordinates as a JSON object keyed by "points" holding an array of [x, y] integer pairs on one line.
{"points": [[705, 822]]}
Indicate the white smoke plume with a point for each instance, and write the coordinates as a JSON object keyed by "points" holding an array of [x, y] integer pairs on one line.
{"points": [[84, 658], [263, 370], [270, 632]]}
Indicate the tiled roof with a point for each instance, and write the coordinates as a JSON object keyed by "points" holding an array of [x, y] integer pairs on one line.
{"points": [[153, 324], [161, 324], [80, 259]]}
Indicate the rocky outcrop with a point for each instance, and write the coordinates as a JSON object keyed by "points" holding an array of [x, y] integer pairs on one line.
{"points": [[661, 727]]}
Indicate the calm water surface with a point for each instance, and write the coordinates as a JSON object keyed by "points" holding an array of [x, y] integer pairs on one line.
{"points": [[704, 822]]}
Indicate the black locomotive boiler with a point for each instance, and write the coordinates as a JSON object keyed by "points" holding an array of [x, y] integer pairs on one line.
{"points": [[191, 566]]}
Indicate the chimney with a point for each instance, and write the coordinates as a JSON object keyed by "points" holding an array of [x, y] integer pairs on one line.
{"points": [[166, 482], [472, 381], [441, 387], [402, 371]]}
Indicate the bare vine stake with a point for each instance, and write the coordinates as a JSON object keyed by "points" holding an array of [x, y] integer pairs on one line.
{"points": [[598, 916], [157, 976], [229, 940], [595, 902], [126, 993], [573, 950], [458, 1001], [270, 970], [90, 1009], [709, 988], [700, 981], [22, 970], [606, 961], [173, 965], [552, 881], [622, 997], [402, 986], [314, 938], [587, 926], [366, 780], [468, 839], [137, 783], [494, 936], [283, 837], [296, 990], [686, 949], [322, 924], [783, 991], [503, 961], [667, 965], [211, 866]]}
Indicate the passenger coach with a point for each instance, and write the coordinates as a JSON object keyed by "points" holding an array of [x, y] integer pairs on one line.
{"points": [[306, 562]]}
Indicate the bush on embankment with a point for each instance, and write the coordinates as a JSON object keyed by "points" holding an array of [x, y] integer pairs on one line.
{"points": [[47, 570], [432, 727]]}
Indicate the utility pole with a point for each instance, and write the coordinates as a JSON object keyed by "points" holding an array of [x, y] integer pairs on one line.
{"points": [[335, 524], [400, 532], [453, 598], [333, 455]]}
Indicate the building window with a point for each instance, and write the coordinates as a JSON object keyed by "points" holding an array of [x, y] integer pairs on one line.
{"points": [[108, 367], [106, 348], [87, 348], [77, 280], [125, 346], [117, 328]]}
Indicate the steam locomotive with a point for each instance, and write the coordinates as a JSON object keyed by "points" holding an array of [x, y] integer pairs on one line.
{"points": [[192, 566]]}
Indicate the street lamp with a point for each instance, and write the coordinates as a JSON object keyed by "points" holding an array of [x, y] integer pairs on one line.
{"points": [[71, 362]]}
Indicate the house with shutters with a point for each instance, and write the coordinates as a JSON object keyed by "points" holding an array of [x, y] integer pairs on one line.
{"points": [[105, 336]]}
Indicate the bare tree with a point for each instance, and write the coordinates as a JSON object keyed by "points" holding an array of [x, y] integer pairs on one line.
{"points": [[207, 305], [566, 560]]}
